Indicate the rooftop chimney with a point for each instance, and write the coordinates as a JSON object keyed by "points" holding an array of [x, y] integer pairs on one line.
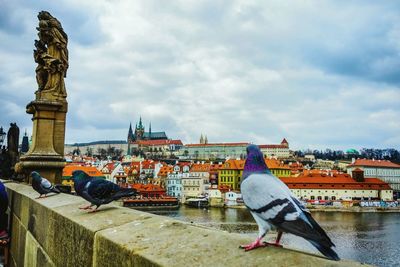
{"points": [[358, 175]]}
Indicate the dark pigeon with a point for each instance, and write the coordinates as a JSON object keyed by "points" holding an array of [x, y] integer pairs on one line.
{"points": [[98, 191], [273, 206], [42, 185]]}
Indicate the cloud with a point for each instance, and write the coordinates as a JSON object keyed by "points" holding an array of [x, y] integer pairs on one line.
{"points": [[321, 74]]}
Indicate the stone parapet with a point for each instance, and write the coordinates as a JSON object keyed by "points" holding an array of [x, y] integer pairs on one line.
{"points": [[54, 232]]}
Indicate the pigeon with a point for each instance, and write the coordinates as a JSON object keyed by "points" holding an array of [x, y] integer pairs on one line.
{"points": [[98, 191], [42, 185], [273, 206]]}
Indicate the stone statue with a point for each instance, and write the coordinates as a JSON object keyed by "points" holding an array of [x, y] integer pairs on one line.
{"points": [[51, 55], [13, 138]]}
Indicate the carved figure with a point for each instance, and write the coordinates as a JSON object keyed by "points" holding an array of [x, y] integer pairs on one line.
{"points": [[51, 55]]}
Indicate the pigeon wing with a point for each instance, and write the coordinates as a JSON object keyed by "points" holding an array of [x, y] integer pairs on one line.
{"points": [[266, 197]]}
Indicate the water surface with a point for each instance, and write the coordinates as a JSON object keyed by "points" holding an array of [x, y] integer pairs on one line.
{"points": [[372, 238]]}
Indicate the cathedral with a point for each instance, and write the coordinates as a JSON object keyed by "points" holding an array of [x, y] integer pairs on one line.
{"points": [[140, 133]]}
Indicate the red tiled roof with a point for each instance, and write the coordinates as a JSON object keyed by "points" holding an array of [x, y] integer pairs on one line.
{"points": [[328, 182], [205, 167], [92, 171], [158, 142], [218, 144], [374, 163]]}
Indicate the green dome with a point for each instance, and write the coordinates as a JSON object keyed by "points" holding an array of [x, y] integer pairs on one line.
{"points": [[351, 151]]}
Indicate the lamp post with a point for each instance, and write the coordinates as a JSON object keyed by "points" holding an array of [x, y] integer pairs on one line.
{"points": [[2, 136]]}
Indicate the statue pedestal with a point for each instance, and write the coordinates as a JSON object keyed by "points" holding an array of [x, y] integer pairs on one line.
{"points": [[46, 154]]}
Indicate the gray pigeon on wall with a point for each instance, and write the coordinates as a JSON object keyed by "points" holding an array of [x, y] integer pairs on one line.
{"points": [[273, 206], [98, 191], [42, 185]]}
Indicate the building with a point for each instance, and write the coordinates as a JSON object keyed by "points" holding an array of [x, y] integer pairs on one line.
{"points": [[278, 168], [385, 170], [160, 148], [212, 151], [197, 182], [340, 186], [70, 168], [174, 179], [230, 174], [94, 148], [276, 151]]}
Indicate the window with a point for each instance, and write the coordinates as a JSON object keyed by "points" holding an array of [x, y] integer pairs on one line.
{"points": [[326, 197], [319, 197], [312, 197], [333, 198]]}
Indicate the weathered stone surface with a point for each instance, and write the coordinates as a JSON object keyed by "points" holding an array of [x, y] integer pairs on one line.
{"points": [[17, 244], [54, 232]]}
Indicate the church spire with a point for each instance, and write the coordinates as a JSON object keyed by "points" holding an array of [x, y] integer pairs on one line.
{"points": [[150, 130], [201, 139], [140, 123], [205, 140]]}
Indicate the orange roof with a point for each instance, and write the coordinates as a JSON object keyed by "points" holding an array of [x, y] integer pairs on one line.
{"points": [[147, 187], [92, 171], [374, 163], [218, 144], [158, 142], [205, 167], [164, 170], [233, 164], [276, 164], [342, 181]]}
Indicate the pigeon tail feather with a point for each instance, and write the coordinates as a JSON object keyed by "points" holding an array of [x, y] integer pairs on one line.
{"points": [[124, 192], [326, 251]]}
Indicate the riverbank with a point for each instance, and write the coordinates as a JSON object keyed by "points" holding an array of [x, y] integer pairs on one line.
{"points": [[335, 209], [353, 209]]}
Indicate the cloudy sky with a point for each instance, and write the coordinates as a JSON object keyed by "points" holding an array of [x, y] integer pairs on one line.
{"points": [[319, 73]]}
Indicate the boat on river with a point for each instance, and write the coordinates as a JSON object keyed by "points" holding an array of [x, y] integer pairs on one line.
{"points": [[151, 203], [197, 202]]}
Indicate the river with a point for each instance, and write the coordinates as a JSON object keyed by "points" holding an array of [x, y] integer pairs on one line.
{"points": [[372, 238]]}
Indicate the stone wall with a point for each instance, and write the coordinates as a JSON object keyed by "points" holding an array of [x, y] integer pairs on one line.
{"points": [[54, 232]]}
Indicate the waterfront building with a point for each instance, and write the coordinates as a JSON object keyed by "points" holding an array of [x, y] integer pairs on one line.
{"points": [[233, 198], [70, 168], [215, 196], [382, 169], [174, 179], [214, 167], [212, 151], [278, 168], [276, 150], [197, 182], [338, 186], [230, 174]]}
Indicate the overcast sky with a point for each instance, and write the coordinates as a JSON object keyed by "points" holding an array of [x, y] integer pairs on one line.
{"points": [[319, 73]]}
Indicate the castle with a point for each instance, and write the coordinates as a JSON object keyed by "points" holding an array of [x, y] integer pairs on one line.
{"points": [[140, 133]]}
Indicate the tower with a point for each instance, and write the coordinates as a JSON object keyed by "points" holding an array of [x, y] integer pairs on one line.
{"points": [[139, 130], [201, 139], [130, 139], [25, 143]]}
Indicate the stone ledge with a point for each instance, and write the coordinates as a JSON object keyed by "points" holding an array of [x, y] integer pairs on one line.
{"points": [[117, 236]]}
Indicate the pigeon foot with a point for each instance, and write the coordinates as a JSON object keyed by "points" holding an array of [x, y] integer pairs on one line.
{"points": [[89, 207], [256, 244]]}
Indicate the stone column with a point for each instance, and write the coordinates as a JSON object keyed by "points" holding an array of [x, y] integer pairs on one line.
{"points": [[46, 154], [49, 109]]}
